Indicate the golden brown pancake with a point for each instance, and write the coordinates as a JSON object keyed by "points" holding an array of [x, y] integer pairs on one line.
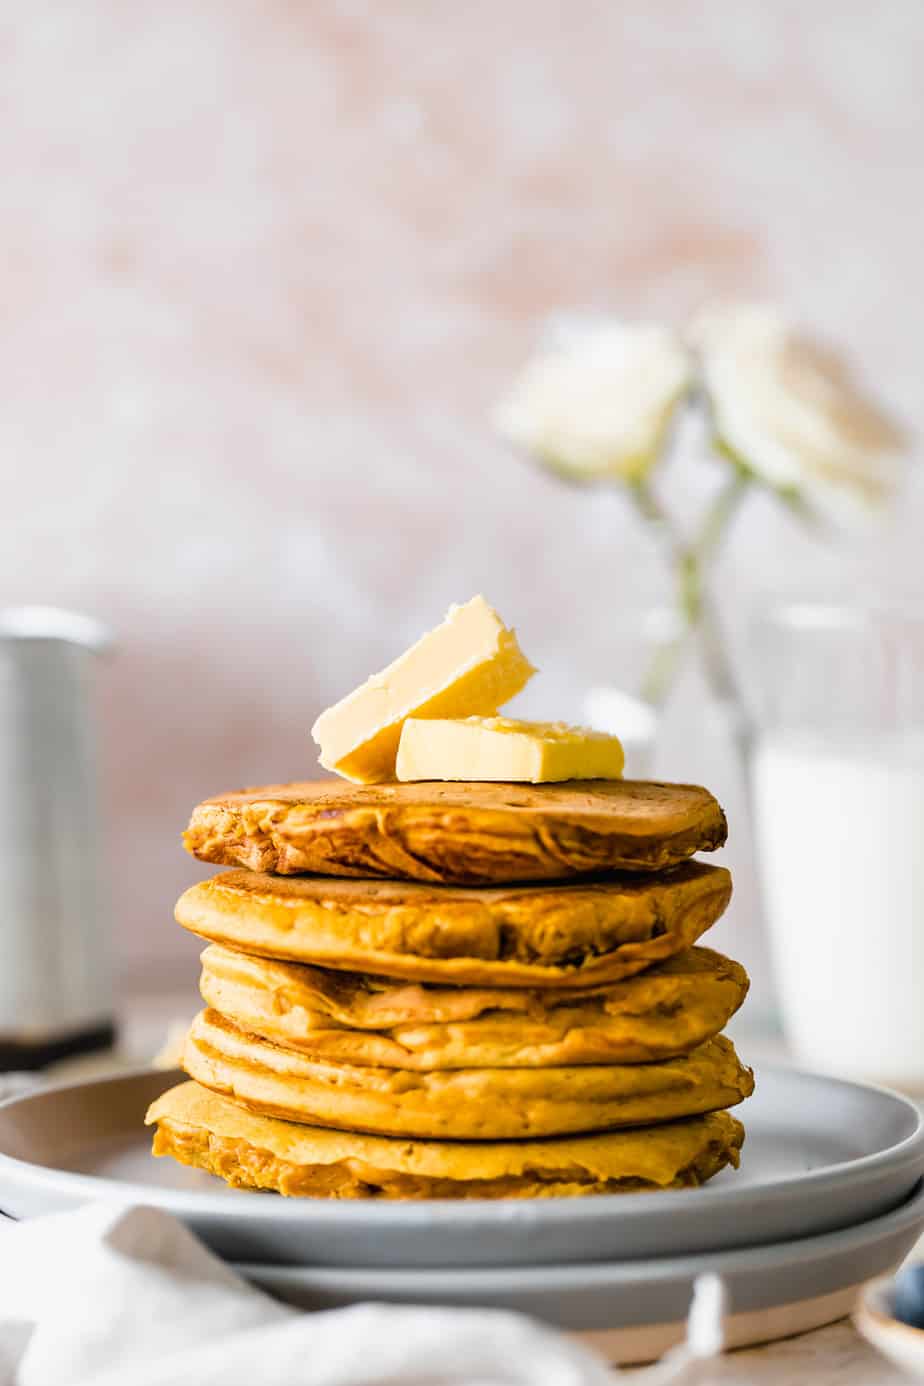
{"points": [[460, 1104], [198, 1128], [355, 1019], [467, 833], [574, 936]]}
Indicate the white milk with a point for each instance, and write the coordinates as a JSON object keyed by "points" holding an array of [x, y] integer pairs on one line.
{"points": [[840, 838]]}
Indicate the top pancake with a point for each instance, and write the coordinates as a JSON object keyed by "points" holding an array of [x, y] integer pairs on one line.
{"points": [[458, 833]]}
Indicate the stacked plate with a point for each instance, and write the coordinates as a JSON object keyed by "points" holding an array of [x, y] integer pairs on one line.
{"points": [[829, 1194]]}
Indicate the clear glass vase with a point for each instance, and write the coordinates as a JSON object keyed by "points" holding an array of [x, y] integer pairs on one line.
{"points": [[695, 736]]}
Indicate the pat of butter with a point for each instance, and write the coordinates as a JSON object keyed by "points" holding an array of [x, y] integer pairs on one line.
{"points": [[498, 748], [469, 665]]}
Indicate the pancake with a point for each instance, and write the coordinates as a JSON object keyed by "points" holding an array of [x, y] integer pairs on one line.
{"points": [[354, 1019], [577, 935], [465, 833], [197, 1128], [460, 1104]]}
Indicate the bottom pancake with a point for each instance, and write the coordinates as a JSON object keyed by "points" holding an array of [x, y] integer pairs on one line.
{"points": [[208, 1132], [460, 1104]]}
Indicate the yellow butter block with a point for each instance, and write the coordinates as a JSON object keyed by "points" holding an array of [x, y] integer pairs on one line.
{"points": [[499, 748], [469, 665]]}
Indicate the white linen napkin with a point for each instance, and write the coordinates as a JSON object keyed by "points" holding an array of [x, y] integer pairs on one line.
{"points": [[129, 1297]]}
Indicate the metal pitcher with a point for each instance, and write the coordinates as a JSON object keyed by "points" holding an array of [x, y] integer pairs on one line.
{"points": [[55, 955]]}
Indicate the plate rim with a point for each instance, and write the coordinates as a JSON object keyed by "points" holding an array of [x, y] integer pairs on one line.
{"points": [[567, 1276], [253, 1206]]}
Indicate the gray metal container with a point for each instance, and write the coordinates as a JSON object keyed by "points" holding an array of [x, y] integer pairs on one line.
{"points": [[55, 952]]}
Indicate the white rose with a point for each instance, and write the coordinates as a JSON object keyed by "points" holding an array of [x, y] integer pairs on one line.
{"points": [[788, 409], [597, 399]]}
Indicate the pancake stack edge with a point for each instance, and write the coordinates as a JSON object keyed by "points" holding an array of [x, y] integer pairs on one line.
{"points": [[459, 990]]}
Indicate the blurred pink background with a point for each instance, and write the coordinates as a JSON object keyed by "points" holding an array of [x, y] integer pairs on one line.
{"points": [[264, 269]]}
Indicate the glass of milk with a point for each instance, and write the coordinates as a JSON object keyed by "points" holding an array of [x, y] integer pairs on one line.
{"points": [[839, 808]]}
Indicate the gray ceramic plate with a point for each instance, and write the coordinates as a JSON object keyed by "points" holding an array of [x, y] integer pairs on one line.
{"points": [[820, 1155], [624, 1294]]}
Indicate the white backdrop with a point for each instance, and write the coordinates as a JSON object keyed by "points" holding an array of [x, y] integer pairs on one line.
{"points": [[265, 268]]}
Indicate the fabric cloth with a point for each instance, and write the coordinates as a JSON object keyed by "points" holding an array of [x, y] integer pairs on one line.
{"points": [[131, 1298], [105, 1296]]}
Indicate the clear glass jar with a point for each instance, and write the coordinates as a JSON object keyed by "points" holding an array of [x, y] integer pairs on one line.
{"points": [[838, 781]]}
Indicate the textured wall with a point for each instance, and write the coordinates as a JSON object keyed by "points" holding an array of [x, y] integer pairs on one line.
{"points": [[264, 268]]}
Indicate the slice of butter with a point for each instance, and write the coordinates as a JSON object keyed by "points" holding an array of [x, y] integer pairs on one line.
{"points": [[498, 748], [469, 665]]}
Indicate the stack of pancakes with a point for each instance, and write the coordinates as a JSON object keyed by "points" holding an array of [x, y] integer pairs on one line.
{"points": [[459, 990]]}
